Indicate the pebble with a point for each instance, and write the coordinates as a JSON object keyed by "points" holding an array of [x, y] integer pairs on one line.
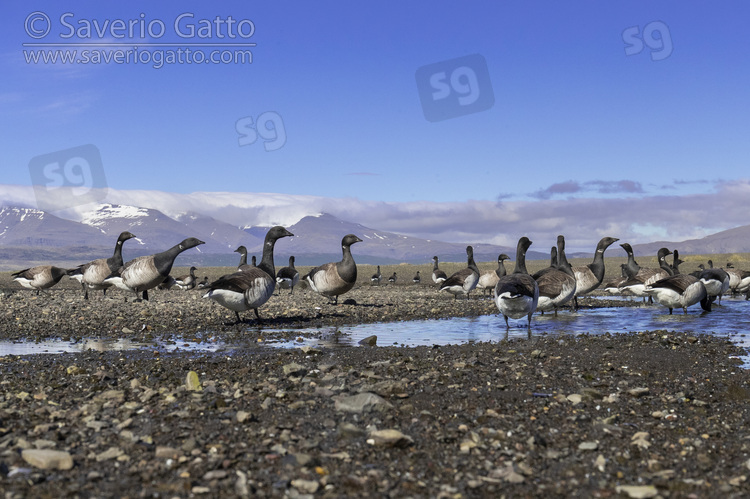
{"points": [[370, 341], [389, 438], [361, 402], [192, 382], [306, 486], [637, 491], [48, 459]]}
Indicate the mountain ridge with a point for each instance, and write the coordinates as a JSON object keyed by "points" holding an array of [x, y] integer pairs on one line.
{"points": [[30, 236]]}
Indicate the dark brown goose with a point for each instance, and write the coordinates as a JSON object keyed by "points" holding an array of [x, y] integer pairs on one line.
{"points": [[589, 277], [638, 283], [335, 278], [488, 280], [465, 280], [92, 275], [557, 286], [39, 277], [186, 282], [376, 277], [438, 276], [287, 277], [517, 294], [146, 272], [680, 291], [250, 287]]}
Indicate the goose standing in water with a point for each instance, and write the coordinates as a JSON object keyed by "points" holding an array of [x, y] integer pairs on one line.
{"points": [[288, 277], [488, 280], [613, 285], [630, 268], [438, 276], [680, 291], [250, 287], [93, 274], [735, 277], [552, 263], [517, 294], [186, 281], [716, 281], [39, 277], [376, 277], [558, 285], [147, 272], [463, 281], [589, 277], [638, 283], [676, 262], [336, 278]]}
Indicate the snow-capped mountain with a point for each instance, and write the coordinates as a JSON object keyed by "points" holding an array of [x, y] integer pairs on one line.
{"points": [[155, 231], [318, 239], [35, 228], [31, 237]]}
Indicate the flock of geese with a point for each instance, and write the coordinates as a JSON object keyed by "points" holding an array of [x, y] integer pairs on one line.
{"points": [[246, 289], [517, 294]]}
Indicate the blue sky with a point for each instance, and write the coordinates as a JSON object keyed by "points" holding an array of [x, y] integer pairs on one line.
{"points": [[584, 100]]}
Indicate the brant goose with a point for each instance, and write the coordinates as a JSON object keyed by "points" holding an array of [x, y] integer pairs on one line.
{"points": [[147, 272], [680, 291], [336, 278], [203, 283], [613, 285], [243, 259], [589, 277], [463, 281], [488, 280], [39, 277], [91, 275], [287, 277], [630, 268], [376, 277], [438, 276], [552, 263], [250, 287], [517, 294], [186, 281], [676, 262], [637, 284], [558, 285], [416, 279], [716, 281], [392, 279], [735, 277]]}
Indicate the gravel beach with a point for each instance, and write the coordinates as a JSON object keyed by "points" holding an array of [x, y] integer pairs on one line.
{"points": [[652, 414]]}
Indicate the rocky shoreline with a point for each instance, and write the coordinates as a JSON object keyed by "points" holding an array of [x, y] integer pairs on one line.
{"points": [[653, 414]]}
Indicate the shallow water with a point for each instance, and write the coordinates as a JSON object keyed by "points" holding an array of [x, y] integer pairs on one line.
{"points": [[731, 319]]}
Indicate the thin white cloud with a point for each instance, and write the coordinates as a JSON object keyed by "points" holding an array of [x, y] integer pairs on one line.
{"points": [[582, 220]]}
